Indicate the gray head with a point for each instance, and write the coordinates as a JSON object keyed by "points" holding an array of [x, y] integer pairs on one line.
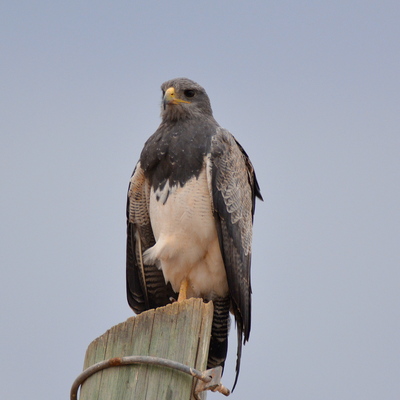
{"points": [[184, 99]]}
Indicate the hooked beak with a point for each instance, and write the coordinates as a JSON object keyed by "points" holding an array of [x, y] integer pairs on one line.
{"points": [[170, 98]]}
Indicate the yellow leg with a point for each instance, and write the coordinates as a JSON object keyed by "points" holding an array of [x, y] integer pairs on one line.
{"points": [[183, 290]]}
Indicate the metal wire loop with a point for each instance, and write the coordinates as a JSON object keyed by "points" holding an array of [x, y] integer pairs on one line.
{"points": [[211, 377]]}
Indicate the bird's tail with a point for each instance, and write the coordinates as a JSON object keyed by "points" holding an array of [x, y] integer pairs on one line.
{"points": [[219, 333]]}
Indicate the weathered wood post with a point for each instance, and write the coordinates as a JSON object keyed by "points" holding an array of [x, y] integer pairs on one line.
{"points": [[179, 332]]}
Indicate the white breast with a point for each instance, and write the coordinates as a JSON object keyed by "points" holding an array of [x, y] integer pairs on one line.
{"points": [[186, 238]]}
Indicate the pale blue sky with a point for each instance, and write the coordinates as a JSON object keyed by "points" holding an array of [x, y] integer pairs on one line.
{"points": [[310, 89]]}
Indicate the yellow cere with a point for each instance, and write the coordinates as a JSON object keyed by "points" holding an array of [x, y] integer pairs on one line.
{"points": [[170, 98]]}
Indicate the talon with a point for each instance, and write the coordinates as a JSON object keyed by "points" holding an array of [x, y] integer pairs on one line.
{"points": [[183, 290]]}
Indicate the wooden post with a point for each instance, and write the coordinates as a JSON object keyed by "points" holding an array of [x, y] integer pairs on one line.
{"points": [[179, 332]]}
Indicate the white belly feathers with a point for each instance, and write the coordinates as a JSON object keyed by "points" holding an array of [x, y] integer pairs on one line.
{"points": [[186, 239]]}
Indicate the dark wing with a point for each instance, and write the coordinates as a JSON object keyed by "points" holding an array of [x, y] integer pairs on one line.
{"points": [[145, 284], [234, 188]]}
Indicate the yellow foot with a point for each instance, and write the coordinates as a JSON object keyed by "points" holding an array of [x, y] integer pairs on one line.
{"points": [[183, 290]]}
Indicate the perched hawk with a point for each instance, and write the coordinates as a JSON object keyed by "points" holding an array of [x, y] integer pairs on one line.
{"points": [[190, 212]]}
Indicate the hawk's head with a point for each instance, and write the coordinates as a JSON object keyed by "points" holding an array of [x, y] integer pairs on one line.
{"points": [[183, 99]]}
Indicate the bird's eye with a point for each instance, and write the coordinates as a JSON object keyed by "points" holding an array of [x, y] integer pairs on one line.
{"points": [[189, 93]]}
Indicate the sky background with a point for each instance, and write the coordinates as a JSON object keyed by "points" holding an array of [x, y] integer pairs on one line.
{"points": [[312, 92]]}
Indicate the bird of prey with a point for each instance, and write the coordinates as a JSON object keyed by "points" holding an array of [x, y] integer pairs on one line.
{"points": [[190, 210]]}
